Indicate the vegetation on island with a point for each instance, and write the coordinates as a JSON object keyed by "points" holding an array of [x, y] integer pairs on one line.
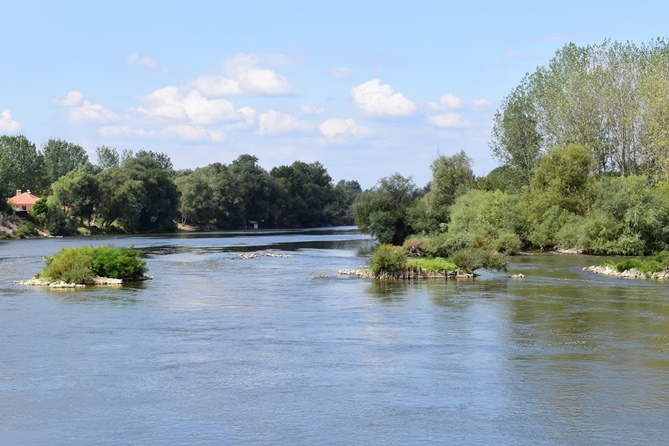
{"points": [[82, 265], [584, 147], [647, 265]]}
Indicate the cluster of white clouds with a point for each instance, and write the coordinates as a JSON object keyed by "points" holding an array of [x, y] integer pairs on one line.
{"points": [[203, 108], [7, 123]]}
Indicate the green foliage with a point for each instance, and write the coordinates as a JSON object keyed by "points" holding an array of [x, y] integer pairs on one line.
{"points": [[21, 166], [26, 229], [628, 217], [81, 265], [339, 210], [486, 218], [61, 157], [383, 210], [55, 220], [516, 138], [305, 191], [196, 203], [451, 177], [117, 263], [79, 192], [437, 265], [610, 98], [563, 178], [71, 265], [471, 259], [387, 258], [423, 219], [107, 157], [506, 178], [628, 264]]}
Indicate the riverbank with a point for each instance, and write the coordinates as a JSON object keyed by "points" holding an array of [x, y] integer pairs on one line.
{"points": [[631, 273]]}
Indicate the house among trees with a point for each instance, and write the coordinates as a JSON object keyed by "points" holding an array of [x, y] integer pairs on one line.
{"points": [[23, 201]]}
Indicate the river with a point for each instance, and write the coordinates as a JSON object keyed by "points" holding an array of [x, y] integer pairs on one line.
{"points": [[283, 351]]}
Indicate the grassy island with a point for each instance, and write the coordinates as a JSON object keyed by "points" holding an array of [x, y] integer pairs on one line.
{"points": [[649, 267], [86, 264], [392, 262]]}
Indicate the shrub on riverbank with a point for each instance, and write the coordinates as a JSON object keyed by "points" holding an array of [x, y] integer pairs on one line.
{"points": [[81, 265], [646, 265]]}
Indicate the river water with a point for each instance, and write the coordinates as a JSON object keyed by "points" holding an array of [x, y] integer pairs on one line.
{"points": [[283, 351]]}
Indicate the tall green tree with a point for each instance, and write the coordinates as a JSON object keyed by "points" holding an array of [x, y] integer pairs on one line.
{"points": [[306, 191], [383, 210], [21, 166], [107, 157], [608, 98], [451, 176], [516, 141], [345, 194], [140, 194], [61, 157], [563, 179], [196, 204], [79, 191], [253, 185]]}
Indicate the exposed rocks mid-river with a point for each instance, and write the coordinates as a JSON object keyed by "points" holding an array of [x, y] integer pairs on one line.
{"points": [[105, 281]]}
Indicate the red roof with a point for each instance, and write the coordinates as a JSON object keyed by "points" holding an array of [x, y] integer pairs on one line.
{"points": [[23, 201]]}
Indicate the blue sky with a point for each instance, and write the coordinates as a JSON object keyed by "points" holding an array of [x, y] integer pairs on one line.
{"points": [[368, 88]]}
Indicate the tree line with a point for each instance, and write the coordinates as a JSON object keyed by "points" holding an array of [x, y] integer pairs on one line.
{"points": [[142, 192], [584, 149]]}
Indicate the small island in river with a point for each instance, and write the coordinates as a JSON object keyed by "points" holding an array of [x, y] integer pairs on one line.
{"points": [[653, 267], [78, 267]]}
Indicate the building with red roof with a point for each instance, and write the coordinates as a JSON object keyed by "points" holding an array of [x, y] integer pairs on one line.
{"points": [[23, 201]]}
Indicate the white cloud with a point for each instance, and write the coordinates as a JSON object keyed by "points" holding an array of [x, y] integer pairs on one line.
{"points": [[309, 110], [193, 133], [338, 127], [123, 130], [481, 104], [89, 112], [448, 120], [342, 73], [7, 124], [451, 102], [145, 61], [375, 99], [82, 110], [182, 131], [73, 98], [170, 104], [248, 117], [274, 122], [242, 75]]}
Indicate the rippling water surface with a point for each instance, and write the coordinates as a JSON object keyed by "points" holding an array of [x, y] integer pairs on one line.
{"points": [[282, 351]]}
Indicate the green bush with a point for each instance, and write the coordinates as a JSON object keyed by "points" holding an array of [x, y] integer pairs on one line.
{"points": [[387, 258], [81, 265], [26, 229], [471, 259], [628, 264], [71, 265], [647, 265], [117, 263]]}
